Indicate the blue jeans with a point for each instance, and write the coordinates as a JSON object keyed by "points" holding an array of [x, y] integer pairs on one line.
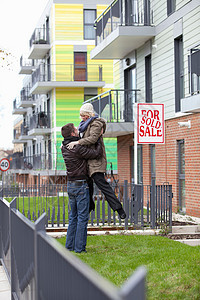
{"points": [[79, 215]]}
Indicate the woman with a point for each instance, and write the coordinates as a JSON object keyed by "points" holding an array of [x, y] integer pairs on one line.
{"points": [[90, 130]]}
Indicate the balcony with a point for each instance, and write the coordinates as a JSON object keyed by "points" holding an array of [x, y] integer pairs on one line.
{"points": [[39, 124], [191, 104], [39, 43], [20, 134], [26, 66], [47, 77], [116, 107], [41, 162], [122, 28], [17, 110], [26, 100]]}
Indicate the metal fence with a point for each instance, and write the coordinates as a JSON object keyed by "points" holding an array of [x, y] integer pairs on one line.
{"points": [[145, 205], [40, 268]]}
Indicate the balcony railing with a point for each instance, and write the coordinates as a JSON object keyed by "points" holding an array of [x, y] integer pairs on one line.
{"points": [[40, 36], [25, 96], [19, 131], [15, 103], [122, 13], [25, 62], [194, 70], [40, 120], [59, 72], [115, 105], [48, 161]]}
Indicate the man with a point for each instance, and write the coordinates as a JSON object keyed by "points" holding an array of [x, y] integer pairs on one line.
{"points": [[77, 187], [90, 130]]}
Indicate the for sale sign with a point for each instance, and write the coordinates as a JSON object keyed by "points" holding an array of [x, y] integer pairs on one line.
{"points": [[150, 123]]}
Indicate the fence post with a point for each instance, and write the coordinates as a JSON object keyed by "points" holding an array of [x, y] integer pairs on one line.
{"points": [[170, 207], [13, 205], [126, 202], [39, 226], [135, 287]]}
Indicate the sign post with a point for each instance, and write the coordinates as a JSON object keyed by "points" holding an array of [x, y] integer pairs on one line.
{"points": [[4, 166], [149, 127]]}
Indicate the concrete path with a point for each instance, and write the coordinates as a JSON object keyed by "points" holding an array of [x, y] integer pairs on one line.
{"points": [[5, 291]]}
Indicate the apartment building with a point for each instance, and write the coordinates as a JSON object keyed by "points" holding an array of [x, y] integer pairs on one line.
{"points": [[59, 76], [155, 46]]}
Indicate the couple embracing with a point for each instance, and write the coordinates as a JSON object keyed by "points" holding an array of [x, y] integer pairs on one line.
{"points": [[84, 154]]}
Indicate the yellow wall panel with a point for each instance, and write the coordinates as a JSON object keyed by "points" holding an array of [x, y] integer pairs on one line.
{"points": [[68, 22], [68, 103], [64, 62]]}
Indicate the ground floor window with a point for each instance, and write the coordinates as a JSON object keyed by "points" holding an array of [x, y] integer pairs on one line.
{"points": [[181, 175]]}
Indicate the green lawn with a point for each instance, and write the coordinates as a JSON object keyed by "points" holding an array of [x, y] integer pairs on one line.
{"points": [[173, 269]]}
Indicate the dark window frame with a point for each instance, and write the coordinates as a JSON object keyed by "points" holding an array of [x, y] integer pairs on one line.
{"points": [[179, 72], [88, 24], [80, 66], [171, 7], [181, 174]]}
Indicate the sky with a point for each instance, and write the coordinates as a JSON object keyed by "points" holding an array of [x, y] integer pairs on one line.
{"points": [[18, 19]]}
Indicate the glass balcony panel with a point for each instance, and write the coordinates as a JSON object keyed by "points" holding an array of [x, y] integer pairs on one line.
{"points": [[115, 105], [195, 70], [124, 13], [59, 72], [40, 36]]}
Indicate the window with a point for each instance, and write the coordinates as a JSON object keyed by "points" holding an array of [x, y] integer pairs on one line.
{"points": [[181, 175], [129, 95], [171, 6], [147, 15], [179, 72], [131, 12], [89, 18], [87, 97], [148, 79], [80, 66]]}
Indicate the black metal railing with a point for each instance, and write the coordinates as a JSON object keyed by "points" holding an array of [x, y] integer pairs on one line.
{"points": [[40, 120], [39, 36], [194, 69], [48, 161], [146, 206], [15, 103], [25, 95], [67, 72], [122, 13], [116, 105], [20, 131]]}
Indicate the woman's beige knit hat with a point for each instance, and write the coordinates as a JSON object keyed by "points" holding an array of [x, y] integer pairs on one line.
{"points": [[87, 108]]}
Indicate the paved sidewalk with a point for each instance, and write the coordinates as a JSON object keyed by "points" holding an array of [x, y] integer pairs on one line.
{"points": [[5, 291]]}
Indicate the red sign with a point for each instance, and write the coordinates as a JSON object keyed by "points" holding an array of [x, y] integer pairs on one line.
{"points": [[4, 164], [150, 123]]}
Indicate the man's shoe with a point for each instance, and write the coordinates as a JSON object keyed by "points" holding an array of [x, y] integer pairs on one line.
{"points": [[121, 213]]}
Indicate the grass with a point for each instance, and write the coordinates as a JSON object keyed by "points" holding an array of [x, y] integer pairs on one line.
{"points": [[173, 269]]}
